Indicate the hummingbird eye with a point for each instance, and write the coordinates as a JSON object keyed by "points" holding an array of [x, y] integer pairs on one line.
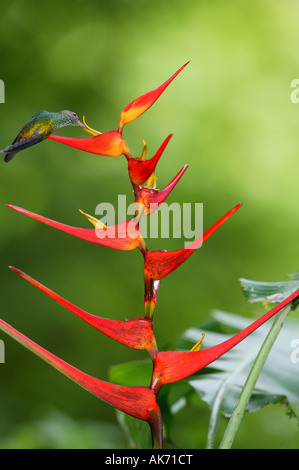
{"points": [[74, 114]]}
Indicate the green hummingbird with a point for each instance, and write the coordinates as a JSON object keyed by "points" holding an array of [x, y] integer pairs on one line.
{"points": [[38, 128]]}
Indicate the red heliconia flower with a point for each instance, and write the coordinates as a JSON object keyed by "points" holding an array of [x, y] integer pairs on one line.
{"points": [[158, 264], [139, 402], [124, 236], [136, 333], [144, 102], [140, 170], [172, 366], [151, 198], [110, 144]]}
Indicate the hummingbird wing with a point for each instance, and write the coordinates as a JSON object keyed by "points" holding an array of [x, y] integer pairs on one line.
{"points": [[21, 144]]}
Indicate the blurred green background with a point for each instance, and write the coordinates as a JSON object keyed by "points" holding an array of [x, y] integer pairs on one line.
{"points": [[232, 121]]}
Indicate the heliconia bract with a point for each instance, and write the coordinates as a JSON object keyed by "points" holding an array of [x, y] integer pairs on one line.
{"points": [[143, 103], [159, 264], [124, 236], [109, 144], [136, 333], [141, 170]]}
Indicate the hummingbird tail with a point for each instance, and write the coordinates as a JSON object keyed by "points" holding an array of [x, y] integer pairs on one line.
{"points": [[8, 157], [23, 144]]}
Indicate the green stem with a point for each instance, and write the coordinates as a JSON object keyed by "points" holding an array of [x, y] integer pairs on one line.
{"points": [[251, 380], [216, 410]]}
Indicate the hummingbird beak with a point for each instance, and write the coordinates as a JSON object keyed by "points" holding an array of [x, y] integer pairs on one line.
{"points": [[81, 124]]}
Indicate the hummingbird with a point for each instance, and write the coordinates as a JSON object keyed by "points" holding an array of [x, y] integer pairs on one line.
{"points": [[38, 128]]}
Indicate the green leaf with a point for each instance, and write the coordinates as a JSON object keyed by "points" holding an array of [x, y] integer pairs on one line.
{"points": [[257, 401], [279, 378], [294, 276], [256, 291], [136, 431], [278, 382], [132, 373]]}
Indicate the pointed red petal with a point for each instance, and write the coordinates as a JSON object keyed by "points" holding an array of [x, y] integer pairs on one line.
{"points": [[136, 333], [159, 264], [139, 402], [152, 198], [141, 170], [110, 144], [172, 366], [124, 236], [144, 102]]}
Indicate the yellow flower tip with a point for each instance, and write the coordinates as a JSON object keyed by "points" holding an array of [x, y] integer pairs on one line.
{"points": [[89, 129], [144, 149], [152, 181], [97, 223], [197, 346]]}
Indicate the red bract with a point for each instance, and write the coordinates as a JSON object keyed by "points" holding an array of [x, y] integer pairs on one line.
{"points": [[136, 333], [139, 402], [140, 170], [158, 264], [144, 102], [172, 366], [110, 144], [124, 236], [152, 198]]}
